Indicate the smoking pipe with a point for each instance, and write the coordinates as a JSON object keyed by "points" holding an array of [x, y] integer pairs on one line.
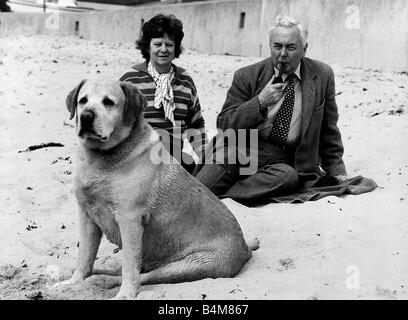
{"points": [[279, 79]]}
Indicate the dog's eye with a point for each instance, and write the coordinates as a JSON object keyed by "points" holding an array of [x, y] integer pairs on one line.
{"points": [[83, 100], [108, 102]]}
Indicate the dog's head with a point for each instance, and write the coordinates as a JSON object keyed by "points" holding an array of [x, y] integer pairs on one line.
{"points": [[105, 111]]}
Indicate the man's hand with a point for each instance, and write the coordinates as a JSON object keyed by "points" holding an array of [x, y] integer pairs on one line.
{"points": [[340, 178], [271, 94]]}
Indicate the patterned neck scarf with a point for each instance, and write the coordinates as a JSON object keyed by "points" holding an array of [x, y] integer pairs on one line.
{"points": [[164, 91]]}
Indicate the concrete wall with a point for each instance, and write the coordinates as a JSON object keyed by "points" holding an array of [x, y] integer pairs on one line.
{"points": [[357, 33], [28, 24], [117, 2]]}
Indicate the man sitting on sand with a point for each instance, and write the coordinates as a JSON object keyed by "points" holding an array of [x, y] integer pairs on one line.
{"points": [[290, 101]]}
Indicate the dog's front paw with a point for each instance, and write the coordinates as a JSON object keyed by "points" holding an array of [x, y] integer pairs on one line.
{"points": [[150, 295], [65, 283], [70, 282], [126, 294]]}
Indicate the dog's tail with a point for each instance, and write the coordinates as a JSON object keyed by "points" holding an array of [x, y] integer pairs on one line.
{"points": [[253, 244]]}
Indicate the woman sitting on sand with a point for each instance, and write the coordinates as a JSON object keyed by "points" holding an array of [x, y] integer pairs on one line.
{"points": [[173, 108]]}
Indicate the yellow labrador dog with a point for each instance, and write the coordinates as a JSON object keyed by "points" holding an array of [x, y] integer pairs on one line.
{"points": [[167, 223]]}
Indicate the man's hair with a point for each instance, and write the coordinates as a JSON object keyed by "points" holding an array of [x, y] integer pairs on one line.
{"points": [[156, 27], [288, 22]]}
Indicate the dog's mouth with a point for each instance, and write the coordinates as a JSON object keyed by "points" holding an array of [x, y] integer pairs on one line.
{"points": [[87, 127], [92, 135]]}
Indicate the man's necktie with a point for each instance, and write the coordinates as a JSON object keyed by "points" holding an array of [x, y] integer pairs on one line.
{"points": [[281, 123]]}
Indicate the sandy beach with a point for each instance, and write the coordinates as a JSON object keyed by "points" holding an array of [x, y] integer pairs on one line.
{"points": [[351, 247]]}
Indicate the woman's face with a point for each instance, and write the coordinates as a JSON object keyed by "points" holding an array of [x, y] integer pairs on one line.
{"points": [[162, 52]]}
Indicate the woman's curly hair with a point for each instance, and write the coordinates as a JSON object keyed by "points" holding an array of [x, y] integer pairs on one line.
{"points": [[156, 27]]}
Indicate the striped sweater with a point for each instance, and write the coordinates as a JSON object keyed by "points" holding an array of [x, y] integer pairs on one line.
{"points": [[188, 116]]}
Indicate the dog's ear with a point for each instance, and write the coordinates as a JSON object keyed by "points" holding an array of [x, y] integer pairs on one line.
{"points": [[135, 102], [72, 98]]}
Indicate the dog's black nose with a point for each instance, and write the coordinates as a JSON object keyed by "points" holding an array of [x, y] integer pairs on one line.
{"points": [[87, 118]]}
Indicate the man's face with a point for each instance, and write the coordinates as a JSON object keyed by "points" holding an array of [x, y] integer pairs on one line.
{"points": [[286, 48]]}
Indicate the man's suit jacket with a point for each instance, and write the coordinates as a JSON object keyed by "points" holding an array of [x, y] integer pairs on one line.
{"points": [[320, 144]]}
